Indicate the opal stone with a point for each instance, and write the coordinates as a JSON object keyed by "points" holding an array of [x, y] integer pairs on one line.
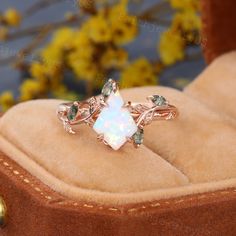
{"points": [[115, 122]]}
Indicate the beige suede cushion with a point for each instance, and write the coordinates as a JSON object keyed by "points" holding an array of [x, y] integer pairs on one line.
{"points": [[216, 86], [195, 143], [194, 153]]}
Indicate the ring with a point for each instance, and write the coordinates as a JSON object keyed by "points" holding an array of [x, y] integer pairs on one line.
{"points": [[115, 121]]}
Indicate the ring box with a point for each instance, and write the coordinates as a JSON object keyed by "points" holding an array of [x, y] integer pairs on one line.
{"points": [[181, 182]]}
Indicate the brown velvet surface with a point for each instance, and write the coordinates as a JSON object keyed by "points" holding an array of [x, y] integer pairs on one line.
{"points": [[36, 210], [81, 167], [182, 157], [219, 24]]}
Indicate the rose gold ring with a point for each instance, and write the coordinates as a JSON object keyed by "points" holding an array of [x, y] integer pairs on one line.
{"points": [[115, 121]]}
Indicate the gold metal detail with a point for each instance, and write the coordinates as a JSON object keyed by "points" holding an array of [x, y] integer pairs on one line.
{"points": [[3, 212]]}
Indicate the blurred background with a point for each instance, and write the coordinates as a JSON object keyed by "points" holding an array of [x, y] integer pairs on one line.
{"points": [[67, 49]]}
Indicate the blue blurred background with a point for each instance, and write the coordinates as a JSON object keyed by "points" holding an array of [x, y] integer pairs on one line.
{"points": [[176, 76]]}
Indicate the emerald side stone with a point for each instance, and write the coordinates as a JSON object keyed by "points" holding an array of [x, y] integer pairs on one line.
{"points": [[72, 112], [159, 100], [138, 137], [107, 88]]}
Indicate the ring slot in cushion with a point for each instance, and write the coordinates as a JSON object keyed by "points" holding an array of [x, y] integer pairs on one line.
{"points": [[216, 86], [79, 160], [199, 143]]}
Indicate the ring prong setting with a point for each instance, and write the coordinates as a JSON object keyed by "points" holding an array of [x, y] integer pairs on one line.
{"points": [[127, 104], [115, 121], [103, 103], [100, 137], [138, 137], [129, 139], [109, 87], [68, 128], [158, 100]]}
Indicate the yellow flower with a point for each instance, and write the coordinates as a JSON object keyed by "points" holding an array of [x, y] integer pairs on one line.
{"points": [[63, 38], [82, 48], [3, 33], [12, 17], [30, 89], [124, 30], [98, 29], [52, 55], [171, 47], [114, 58], [37, 70], [118, 10], [84, 69], [49, 77], [187, 20], [185, 4], [81, 38], [123, 27], [139, 73], [6, 100], [62, 93], [1, 19]]}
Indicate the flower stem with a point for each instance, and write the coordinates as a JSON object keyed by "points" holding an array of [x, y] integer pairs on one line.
{"points": [[38, 6], [35, 29]]}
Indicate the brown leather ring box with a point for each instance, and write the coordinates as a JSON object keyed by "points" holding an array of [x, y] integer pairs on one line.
{"points": [[182, 181]]}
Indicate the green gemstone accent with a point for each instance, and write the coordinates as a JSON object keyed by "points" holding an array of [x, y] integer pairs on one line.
{"points": [[107, 88], [138, 137], [159, 100], [72, 112]]}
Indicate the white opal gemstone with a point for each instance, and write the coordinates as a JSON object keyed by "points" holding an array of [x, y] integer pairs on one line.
{"points": [[115, 122]]}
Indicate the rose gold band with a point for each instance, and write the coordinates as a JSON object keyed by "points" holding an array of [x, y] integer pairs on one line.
{"points": [[114, 120], [142, 113]]}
